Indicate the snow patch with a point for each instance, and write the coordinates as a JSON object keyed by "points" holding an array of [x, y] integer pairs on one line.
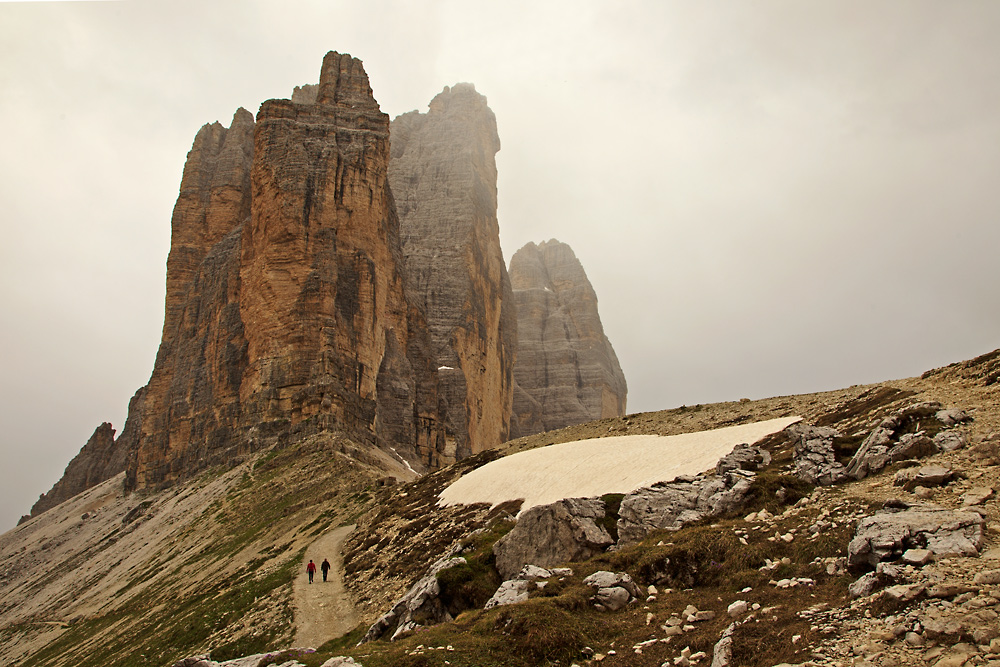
{"points": [[588, 468]]}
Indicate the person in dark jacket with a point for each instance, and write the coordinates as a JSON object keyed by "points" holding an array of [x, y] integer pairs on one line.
{"points": [[325, 567], [311, 570]]}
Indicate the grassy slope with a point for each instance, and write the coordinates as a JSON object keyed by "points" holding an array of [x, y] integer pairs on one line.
{"points": [[222, 582]]}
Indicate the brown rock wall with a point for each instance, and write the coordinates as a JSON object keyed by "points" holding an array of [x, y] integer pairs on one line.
{"points": [[566, 371]]}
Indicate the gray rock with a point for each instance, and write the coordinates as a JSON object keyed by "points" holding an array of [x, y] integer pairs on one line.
{"points": [[340, 661], [529, 572], [977, 496], [887, 534], [612, 598], [743, 457], [863, 586], [547, 535], [421, 601], [815, 456], [510, 592], [988, 577], [952, 417], [926, 476], [949, 441], [671, 505], [918, 556], [888, 442], [722, 654], [606, 579]]}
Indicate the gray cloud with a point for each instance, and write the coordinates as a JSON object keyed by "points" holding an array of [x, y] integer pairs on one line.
{"points": [[769, 198]]}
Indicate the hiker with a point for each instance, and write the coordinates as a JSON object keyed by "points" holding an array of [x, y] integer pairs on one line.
{"points": [[311, 569], [325, 567]]}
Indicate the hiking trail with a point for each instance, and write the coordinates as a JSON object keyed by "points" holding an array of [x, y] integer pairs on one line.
{"points": [[323, 610]]}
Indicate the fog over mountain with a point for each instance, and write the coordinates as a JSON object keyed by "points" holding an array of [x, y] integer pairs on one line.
{"points": [[768, 199]]}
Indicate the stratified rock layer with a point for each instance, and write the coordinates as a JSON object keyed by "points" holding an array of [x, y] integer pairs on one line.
{"points": [[443, 177], [566, 371], [332, 336], [286, 309], [191, 409]]}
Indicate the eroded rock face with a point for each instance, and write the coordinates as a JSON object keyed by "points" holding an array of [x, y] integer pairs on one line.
{"points": [[191, 405], [566, 371], [286, 303], [547, 535], [443, 176]]}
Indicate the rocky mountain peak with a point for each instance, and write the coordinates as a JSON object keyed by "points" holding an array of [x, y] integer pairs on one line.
{"points": [[566, 371], [443, 176], [343, 82]]}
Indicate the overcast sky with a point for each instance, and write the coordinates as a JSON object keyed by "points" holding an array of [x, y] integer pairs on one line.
{"points": [[768, 197]]}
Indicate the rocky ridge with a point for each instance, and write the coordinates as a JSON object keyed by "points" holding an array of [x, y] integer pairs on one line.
{"points": [[566, 371]]}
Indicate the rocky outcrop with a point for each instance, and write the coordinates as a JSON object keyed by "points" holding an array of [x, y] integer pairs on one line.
{"points": [[548, 535], [286, 304], [671, 505], [816, 456], [443, 176], [421, 605], [100, 459], [566, 371], [887, 534], [899, 436]]}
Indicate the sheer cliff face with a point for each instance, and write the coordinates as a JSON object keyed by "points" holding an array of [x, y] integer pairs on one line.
{"points": [[566, 371], [443, 176], [286, 310], [191, 409], [329, 326]]}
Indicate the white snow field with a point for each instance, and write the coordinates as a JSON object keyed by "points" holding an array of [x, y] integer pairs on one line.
{"points": [[597, 466]]}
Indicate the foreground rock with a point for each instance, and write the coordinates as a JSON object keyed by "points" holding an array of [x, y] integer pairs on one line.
{"points": [[421, 605], [547, 535], [889, 533], [566, 371], [612, 590], [671, 505]]}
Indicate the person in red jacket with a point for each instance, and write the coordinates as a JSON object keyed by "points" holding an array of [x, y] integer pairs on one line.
{"points": [[311, 569]]}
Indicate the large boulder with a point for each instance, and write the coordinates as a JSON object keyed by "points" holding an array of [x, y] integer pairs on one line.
{"points": [[547, 535], [888, 533]]}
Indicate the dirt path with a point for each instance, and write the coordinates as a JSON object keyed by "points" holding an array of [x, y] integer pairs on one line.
{"points": [[323, 610]]}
